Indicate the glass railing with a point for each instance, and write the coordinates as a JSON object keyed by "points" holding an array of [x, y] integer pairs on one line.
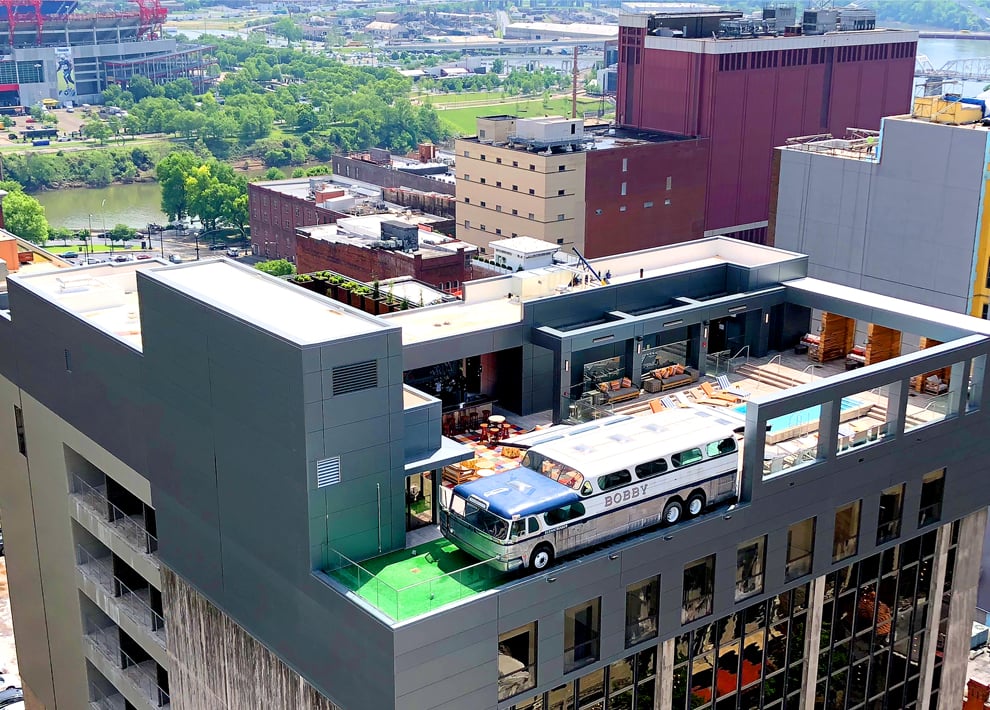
{"points": [[133, 531], [101, 699], [133, 604], [405, 601]]}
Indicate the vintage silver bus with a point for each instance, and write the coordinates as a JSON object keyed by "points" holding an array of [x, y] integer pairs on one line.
{"points": [[584, 488]]}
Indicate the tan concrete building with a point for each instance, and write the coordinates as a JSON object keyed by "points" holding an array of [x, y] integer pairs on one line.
{"points": [[551, 179], [503, 191]]}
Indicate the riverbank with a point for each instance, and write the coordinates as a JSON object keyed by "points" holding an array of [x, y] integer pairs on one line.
{"points": [[949, 34]]}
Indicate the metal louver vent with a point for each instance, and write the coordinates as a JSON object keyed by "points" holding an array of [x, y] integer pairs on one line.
{"points": [[328, 472], [356, 377]]}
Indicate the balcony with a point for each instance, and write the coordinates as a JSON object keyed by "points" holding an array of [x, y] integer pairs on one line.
{"points": [[101, 699], [130, 608], [136, 681], [126, 535]]}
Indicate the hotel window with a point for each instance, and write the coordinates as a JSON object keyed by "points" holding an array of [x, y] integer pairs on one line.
{"points": [[532, 191], [532, 216], [467, 224], [560, 241], [515, 188], [484, 157], [666, 202], [642, 611], [515, 163], [532, 167], [669, 180], [750, 557], [889, 519], [467, 200], [467, 154], [498, 230], [625, 165], [581, 634], [467, 177], [932, 488], [483, 181], [561, 168], [845, 539], [516, 661], [623, 189], [484, 204], [498, 160], [699, 584], [622, 208], [498, 208], [560, 218], [483, 229], [515, 211], [498, 183], [800, 549], [647, 205], [560, 193]]}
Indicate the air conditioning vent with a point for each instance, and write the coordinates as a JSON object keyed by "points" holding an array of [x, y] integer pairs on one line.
{"points": [[354, 378], [328, 472]]}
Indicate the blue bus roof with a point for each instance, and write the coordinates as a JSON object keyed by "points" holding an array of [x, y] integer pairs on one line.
{"points": [[518, 493]]}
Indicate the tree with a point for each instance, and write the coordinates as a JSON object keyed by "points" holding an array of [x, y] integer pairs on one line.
{"points": [[274, 174], [236, 213], [121, 232], [286, 27], [141, 87], [498, 66], [97, 129], [276, 267], [25, 217], [172, 172]]}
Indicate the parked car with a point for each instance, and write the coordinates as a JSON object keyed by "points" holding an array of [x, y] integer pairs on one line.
{"points": [[233, 252], [121, 258], [144, 256], [216, 247], [175, 258], [70, 255], [10, 696]]}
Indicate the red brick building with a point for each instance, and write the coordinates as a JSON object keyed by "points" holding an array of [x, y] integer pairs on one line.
{"points": [[749, 93], [276, 209], [646, 195], [445, 266]]}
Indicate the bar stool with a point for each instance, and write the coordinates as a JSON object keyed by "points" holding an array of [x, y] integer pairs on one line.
{"points": [[506, 430], [448, 425], [484, 432], [473, 419]]}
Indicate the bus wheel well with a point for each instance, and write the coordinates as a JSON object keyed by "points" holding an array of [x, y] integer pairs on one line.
{"points": [[673, 510], [696, 502], [542, 556]]}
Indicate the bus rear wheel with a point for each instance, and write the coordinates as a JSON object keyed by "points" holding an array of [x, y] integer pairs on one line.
{"points": [[672, 512], [542, 557], [696, 504]]}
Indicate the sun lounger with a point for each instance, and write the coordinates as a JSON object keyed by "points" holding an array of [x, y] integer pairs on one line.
{"points": [[726, 386], [712, 393], [681, 399], [668, 402], [715, 402], [656, 406]]}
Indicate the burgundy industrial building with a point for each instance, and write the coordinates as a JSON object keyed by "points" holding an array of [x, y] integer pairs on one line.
{"points": [[748, 86]]}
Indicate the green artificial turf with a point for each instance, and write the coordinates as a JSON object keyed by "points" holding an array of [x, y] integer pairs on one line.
{"points": [[404, 585]]}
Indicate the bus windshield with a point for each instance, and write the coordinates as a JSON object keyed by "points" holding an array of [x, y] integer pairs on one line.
{"points": [[480, 519], [553, 470]]}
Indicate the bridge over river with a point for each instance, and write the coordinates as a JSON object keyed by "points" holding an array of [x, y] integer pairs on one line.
{"points": [[973, 69]]}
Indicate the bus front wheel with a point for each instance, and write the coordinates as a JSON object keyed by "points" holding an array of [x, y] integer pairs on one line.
{"points": [[696, 504], [672, 512], [542, 557]]}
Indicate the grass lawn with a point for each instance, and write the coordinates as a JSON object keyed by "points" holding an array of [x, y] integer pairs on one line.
{"points": [[462, 120], [405, 585]]}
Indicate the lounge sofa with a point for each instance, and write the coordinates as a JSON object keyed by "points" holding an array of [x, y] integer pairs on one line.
{"points": [[618, 390], [664, 378]]}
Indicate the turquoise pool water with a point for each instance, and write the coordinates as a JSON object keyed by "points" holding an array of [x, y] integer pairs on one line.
{"points": [[803, 416]]}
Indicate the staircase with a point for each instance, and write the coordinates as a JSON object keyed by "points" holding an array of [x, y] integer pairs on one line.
{"points": [[769, 375]]}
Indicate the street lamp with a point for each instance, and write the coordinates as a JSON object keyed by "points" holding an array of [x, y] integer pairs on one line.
{"points": [[89, 241]]}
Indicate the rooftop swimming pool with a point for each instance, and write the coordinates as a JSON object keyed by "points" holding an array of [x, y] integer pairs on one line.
{"points": [[803, 416]]}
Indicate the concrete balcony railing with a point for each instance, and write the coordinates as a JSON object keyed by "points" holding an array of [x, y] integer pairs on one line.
{"points": [[102, 699], [136, 605], [124, 534], [141, 675]]}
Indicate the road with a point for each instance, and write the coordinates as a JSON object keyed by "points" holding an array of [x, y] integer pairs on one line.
{"points": [[164, 246]]}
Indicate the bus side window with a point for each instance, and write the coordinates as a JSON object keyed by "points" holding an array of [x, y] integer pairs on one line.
{"points": [[614, 480], [518, 528], [651, 468], [686, 458], [720, 448], [563, 514], [587, 489], [534, 525]]}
